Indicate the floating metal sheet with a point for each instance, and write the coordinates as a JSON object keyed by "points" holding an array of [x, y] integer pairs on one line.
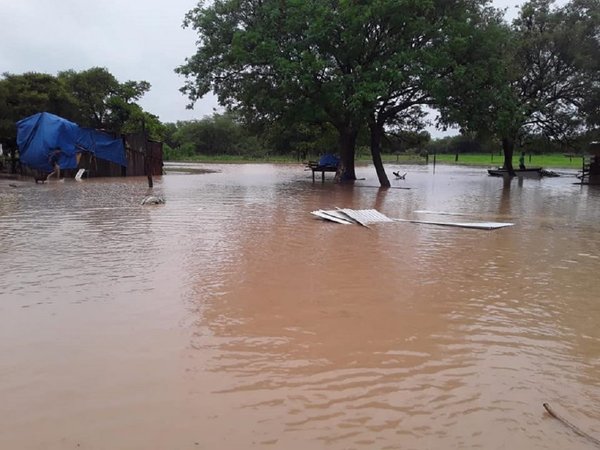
{"points": [[476, 225], [333, 216], [366, 216], [362, 217], [442, 213]]}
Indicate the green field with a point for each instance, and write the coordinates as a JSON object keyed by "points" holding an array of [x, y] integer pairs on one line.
{"points": [[557, 161], [549, 161]]}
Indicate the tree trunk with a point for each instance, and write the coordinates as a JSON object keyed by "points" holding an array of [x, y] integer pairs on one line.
{"points": [[347, 143], [376, 135], [508, 146]]}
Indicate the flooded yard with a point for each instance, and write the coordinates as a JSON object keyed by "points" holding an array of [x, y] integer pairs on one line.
{"points": [[231, 318]]}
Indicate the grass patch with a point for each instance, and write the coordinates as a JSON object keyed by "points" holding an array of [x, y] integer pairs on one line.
{"points": [[557, 161]]}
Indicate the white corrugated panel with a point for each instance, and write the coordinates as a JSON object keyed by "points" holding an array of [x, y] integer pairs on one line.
{"points": [[334, 216], [366, 216]]}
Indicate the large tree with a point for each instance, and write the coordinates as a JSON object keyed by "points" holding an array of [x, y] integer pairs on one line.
{"points": [[421, 54], [345, 62], [542, 76], [581, 24]]}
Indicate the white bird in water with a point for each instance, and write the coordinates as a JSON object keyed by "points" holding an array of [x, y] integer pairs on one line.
{"points": [[398, 176], [153, 200]]}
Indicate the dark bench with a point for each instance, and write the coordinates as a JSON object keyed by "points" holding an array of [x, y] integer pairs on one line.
{"points": [[316, 167]]}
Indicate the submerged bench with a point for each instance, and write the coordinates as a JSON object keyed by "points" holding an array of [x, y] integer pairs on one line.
{"points": [[316, 167]]}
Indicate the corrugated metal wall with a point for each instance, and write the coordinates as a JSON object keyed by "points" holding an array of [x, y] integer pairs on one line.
{"points": [[136, 147], [97, 167]]}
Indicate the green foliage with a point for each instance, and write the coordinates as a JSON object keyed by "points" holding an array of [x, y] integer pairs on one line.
{"points": [[305, 140], [404, 141], [475, 92], [181, 153], [343, 63], [134, 119], [93, 90], [92, 98], [169, 130], [543, 76], [219, 134], [104, 103], [454, 145], [27, 94]]}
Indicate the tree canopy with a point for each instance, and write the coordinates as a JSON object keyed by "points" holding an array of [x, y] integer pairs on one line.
{"points": [[542, 76], [346, 63], [376, 63]]}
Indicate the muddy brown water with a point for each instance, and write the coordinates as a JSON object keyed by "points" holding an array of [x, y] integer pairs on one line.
{"points": [[230, 318]]}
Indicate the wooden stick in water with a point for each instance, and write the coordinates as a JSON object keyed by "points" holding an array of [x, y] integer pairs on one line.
{"points": [[576, 429]]}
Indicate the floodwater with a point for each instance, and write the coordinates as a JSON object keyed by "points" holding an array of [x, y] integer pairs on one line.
{"points": [[230, 318]]}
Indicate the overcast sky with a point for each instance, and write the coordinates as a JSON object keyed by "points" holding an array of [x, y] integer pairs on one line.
{"points": [[134, 39]]}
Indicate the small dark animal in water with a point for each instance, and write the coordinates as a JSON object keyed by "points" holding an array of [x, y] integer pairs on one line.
{"points": [[152, 200], [398, 176], [40, 178]]}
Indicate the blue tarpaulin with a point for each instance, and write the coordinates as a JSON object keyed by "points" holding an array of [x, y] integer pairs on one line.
{"points": [[329, 160], [40, 135]]}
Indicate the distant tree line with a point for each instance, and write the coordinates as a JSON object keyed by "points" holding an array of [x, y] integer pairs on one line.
{"points": [[228, 134]]}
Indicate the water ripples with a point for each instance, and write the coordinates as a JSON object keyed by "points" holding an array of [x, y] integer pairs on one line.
{"points": [[311, 334]]}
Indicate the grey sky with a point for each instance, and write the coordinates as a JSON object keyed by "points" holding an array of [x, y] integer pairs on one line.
{"points": [[135, 40]]}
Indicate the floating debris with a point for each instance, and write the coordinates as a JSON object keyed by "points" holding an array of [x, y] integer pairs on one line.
{"points": [[79, 174], [153, 200], [365, 217], [575, 428], [476, 225], [334, 216], [362, 217]]}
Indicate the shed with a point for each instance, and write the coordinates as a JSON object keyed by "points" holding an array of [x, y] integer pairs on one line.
{"points": [[40, 135]]}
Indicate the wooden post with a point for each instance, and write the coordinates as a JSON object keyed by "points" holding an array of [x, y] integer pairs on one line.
{"points": [[13, 159]]}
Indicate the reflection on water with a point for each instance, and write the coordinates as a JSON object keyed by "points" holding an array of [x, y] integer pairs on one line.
{"points": [[230, 318]]}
